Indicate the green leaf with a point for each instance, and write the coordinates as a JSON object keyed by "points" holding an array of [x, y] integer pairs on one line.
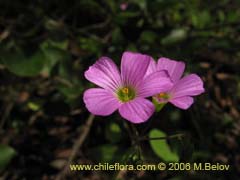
{"points": [[33, 106], [112, 5], [63, 44], [233, 16], [92, 45], [52, 56], [161, 147], [141, 3], [72, 92], [22, 65], [175, 36], [113, 132], [6, 154], [117, 36], [201, 19], [148, 37], [132, 156]]}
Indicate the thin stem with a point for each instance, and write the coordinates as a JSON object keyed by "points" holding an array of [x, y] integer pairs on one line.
{"points": [[134, 129], [145, 138], [6, 114], [77, 146], [131, 135]]}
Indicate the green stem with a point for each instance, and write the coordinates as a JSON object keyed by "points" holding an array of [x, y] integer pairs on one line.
{"points": [[145, 138]]}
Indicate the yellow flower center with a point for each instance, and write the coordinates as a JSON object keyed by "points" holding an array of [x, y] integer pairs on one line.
{"points": [[125, 90], [162, 96], [126, 94]]}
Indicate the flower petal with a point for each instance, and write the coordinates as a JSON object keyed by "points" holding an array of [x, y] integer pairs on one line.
{"points": [[134, 67], [138, 110], [152, 67], [182, 102], [104, 73], [154, 83], [100, 101], [190, 85], [174, 68]]}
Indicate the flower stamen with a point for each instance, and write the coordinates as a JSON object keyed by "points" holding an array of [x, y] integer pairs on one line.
{"points": [[125, 90], [126, 94], [162, 97]]}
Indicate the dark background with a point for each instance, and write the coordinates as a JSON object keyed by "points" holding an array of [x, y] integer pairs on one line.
{"points": [[45, 47]]}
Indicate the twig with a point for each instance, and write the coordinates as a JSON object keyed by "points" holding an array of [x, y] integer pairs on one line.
{"points": [[133, 133], [145, 138], [96, 26], [217, 26], [76, 147], [63, 81], [127, 126], [6, 114]]}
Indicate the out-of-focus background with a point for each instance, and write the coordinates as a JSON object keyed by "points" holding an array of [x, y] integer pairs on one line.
{"points": [[45, 47]]}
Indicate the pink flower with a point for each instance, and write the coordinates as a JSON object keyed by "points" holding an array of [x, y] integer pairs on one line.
{"points": [[125, 91], [183, 89], [123, 6]]}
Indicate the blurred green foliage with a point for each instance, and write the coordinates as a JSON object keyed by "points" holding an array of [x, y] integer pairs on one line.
{"points": [[161, 147], [7, 154]]}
